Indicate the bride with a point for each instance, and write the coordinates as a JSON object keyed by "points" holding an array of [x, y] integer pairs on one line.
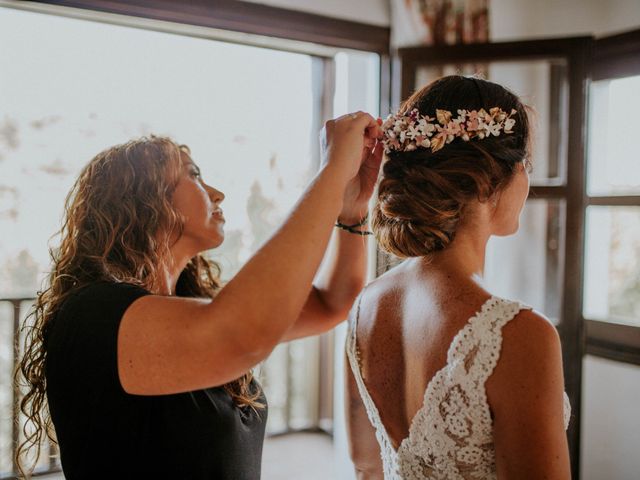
{"points": [[448, 381]]}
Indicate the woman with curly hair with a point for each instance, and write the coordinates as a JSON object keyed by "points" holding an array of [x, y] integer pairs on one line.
{"points": [[448, 381], [139, 362]]}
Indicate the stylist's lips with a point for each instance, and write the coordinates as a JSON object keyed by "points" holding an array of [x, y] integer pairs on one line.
{"points": [[218, 214]]}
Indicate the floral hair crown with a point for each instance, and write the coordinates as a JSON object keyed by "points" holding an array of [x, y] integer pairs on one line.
{"points": [[405, 133]]}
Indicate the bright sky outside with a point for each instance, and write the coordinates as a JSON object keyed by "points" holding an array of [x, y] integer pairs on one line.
{"points": [[71, 88]]}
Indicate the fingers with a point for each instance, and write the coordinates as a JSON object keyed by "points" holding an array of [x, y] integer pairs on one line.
{"points": [[378, 152], [375, 156], [369, 123], [362, 119], [344, 136], [359, 115], [374, 132]]}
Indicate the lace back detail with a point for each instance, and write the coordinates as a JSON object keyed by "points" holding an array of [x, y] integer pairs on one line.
{"points": [[450, 436]]}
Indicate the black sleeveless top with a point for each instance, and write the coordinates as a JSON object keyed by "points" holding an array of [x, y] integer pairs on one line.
{"points": [[103, 432]]}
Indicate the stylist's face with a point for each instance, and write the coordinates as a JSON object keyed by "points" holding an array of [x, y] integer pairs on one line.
{"points": [[199, 204]]}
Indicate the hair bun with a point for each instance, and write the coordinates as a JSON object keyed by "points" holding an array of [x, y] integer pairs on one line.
{"points": [[412, 217]]}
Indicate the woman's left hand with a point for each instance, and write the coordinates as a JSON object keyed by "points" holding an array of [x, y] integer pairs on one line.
{"points": [[360, 188]]}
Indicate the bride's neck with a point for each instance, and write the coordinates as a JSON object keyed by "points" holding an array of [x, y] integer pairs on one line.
{"points": [[466, 254]]}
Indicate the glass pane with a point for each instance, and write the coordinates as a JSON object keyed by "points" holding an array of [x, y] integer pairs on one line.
{"points": [[541, 84], [612, 265], [357, 83], [274, 376], [613, 167], [527, 266], [290, 377]]}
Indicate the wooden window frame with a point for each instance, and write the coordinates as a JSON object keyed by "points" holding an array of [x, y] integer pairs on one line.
{"points": [[247, 17], [614, 57]]}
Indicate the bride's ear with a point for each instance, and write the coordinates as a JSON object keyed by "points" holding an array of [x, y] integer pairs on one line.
{"points": [[494, 200]]}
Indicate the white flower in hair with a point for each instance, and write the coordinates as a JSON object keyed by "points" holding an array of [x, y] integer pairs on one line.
{"points": [[413, 132], [508, 125]]}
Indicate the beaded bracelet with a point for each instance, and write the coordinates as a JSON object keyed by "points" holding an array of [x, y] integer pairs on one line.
{"points": [[352, 228]]}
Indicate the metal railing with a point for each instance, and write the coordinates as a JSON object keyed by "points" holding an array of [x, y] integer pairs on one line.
{"points": [[49, 450], [323, 391]]}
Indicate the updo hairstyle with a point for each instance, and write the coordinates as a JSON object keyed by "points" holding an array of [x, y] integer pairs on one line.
{"points": [[422, 194]]}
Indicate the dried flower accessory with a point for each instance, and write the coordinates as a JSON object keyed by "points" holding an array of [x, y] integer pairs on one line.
{"points": [[405, 133]]}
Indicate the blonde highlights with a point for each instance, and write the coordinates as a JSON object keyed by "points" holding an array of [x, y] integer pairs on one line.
{"points": [[118, 225]]}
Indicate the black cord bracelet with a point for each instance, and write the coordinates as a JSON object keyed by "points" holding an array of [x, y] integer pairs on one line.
{"points": [[352, 228]]}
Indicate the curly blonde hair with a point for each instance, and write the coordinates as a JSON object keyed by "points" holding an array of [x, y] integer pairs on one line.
{"points": [[118, 225]]}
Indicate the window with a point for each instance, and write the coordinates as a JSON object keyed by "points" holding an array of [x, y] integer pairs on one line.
{"points": [[90, 85], [611, 306], [612, 264], [612, 256]]}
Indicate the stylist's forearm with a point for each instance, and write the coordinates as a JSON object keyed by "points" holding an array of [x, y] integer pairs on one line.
{"points": [[344, 273], [299, 246]]}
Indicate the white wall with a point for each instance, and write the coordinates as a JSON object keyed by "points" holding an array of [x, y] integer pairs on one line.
{"points": [[520, 19], [610, 420], [375, 12]]}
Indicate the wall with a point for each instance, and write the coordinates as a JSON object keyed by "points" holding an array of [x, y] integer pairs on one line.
{"points": [[611, 421], [375, 12], [519, 19]]}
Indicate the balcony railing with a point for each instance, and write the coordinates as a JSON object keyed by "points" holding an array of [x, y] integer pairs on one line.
{"points": [[285, 378], [19, 306]]}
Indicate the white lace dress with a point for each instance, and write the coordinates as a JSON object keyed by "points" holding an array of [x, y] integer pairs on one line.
{"points": [[450, 437]]}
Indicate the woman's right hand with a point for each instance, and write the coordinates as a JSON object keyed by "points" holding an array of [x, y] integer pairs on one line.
{"points": [[347, 141]]}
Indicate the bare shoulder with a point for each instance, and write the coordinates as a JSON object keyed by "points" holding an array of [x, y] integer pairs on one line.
{"points": [[529, 333], [526, 397], [530, 360], [386, 291]]}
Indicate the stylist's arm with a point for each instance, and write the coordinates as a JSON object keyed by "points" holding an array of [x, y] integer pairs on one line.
{"points": [[345, 266], [170, 345]]}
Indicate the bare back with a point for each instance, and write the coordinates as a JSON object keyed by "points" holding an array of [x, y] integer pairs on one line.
{"points": [[426, 391], [408, 319]]}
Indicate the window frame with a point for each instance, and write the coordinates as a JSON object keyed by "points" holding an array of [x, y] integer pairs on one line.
{"points": [[247, 17], [614, 57]]}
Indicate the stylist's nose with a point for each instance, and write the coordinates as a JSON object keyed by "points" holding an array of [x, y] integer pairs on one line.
{"points": [[215, 195]]}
